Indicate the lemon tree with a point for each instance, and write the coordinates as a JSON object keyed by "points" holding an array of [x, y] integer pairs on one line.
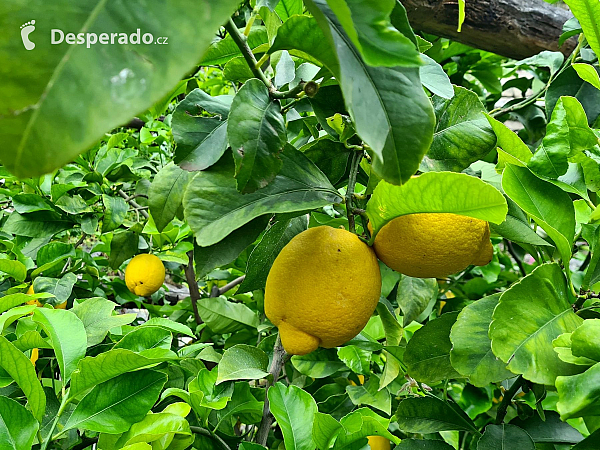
{"points": [[295, 224]]}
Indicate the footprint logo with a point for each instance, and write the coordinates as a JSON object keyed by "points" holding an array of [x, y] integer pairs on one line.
{"points": [[26, 29]]}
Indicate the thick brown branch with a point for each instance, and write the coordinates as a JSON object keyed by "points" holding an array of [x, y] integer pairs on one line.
{"points": [[190, 276]]}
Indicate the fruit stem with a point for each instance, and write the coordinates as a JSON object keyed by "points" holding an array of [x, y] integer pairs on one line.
{"points": [[350, 211], [279, 359]]}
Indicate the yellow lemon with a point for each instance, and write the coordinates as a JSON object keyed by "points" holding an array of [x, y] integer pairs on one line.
{"points": [[433, 245], [36, 302], [322, 289], [379, 443], [144, 275], [35, 354]]}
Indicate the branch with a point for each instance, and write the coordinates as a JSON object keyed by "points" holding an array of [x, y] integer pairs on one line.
{"points": [[279, 359], [356, 157], [205, 432], [231, 285], [190, 276], [508, 396], [133, 203]]}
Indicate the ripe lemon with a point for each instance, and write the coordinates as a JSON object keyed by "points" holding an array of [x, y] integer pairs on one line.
{"points": [[322, 289], [144, 275], [433, 245], [379, 443], [36, 302]]}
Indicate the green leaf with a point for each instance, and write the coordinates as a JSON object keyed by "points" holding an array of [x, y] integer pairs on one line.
{"points": [[357, 359], [422, 444], [530, 315], [113, 406], [471, 353], [257, 134], [225, 49], [428, 351], [263, 255], [92, 371], [287, 8], [548, 205], [585, 340], [549, 429], [359, 424], [587, 73], [169, 324], [98, 319], [17, 426], [223, 316], [30, 227], [60, 288], [11, 300], [369, 394], [68, 337], [318, 364], [302, 37], [461, 14], [579, 395], [368, 25], [388, 106], [214, 208], [205, 394], [391, 326], [13, 268], [20, 369], [435, 79], [46, 133], [285, 71], [499, 437], [51, 255], [115, 210], [146, 338], [439, 192], [294, 410], [569, 83], [431, 415], [462, 133], [243, 362], [324, 429], [415, 296], [588, 14], [123, 246], [153, 428], [243, 405], [227, 250], [331, 156], [166, 194]]}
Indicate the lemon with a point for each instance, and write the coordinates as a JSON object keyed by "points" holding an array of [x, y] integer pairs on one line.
{"points": [[379, 443], [322, 289], [36, 302], [433, 245], [144, 275], [35, 354]]}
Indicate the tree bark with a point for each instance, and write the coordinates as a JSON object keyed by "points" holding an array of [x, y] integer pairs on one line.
{"points": [[514, 28]]}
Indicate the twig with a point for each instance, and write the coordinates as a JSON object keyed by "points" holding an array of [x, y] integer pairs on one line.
{"points": [[279, 358], [508, 396], [205, 432], [356, 158], [511, 250], [133, 203], [190, 276], [231, 285]]}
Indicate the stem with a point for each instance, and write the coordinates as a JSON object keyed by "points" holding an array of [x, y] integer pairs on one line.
{"points": [[292, 93], [133, 203], [63, 405], [190, 276], [508, 396], [205, 432], [356, 158], [231, 285], [241, 41], [279, 358], [512, 252]]}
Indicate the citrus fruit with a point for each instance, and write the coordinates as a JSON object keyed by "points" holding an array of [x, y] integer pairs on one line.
{"points": [[35, 354], [322, 289], [379, 443], [144, 275], [433, 245], [36, 302]]}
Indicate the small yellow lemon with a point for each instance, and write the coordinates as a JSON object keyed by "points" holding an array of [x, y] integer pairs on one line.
{"points": [[322, 289], [144, 275], [379, 443], [433, 245], [36, 302]]}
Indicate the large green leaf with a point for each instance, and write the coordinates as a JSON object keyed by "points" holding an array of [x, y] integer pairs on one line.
{"points": [[166, 194], [155, 427], [471, 353], [368, 25], [579, 395], [318, 364], [324, 429], [243, 362], [548, 205], [569, 83], [60, 288], [530, 315], [214, 208], [369, 394], [462, 133], [549, 429], [224, 50], [358, 425], [98, 318], [146, 338], [431, 415], [435, 79], [68, 337], [262, 257], [294, 410], [428, 351], [17, 426], [19, 367], [42, 124], [499, 437], [15, 269], [415, 296], [113, 406], [388, 106], [257, 134], [585, 340], [223, 316], [588, 14], [436, 192]]}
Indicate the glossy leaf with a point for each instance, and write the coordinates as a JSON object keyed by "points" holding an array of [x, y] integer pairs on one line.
{"points": [[471, 353], [584, 340], [115, 210], [551, 429], [98, 319], [214, 208], [499, 437], [256, 132], [369, 394], [243, 362], [569, 83], [431, 415], [155, 427], [140, 339], [440, 192], [15, 269], [225, 49], [435, 79], [462, 133], [166, 194], [587, 73], [48, 132], [223, 316], [415, 296], [18, 427], [530, 314], [318, 364], [588, 14], [359, 424]]}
